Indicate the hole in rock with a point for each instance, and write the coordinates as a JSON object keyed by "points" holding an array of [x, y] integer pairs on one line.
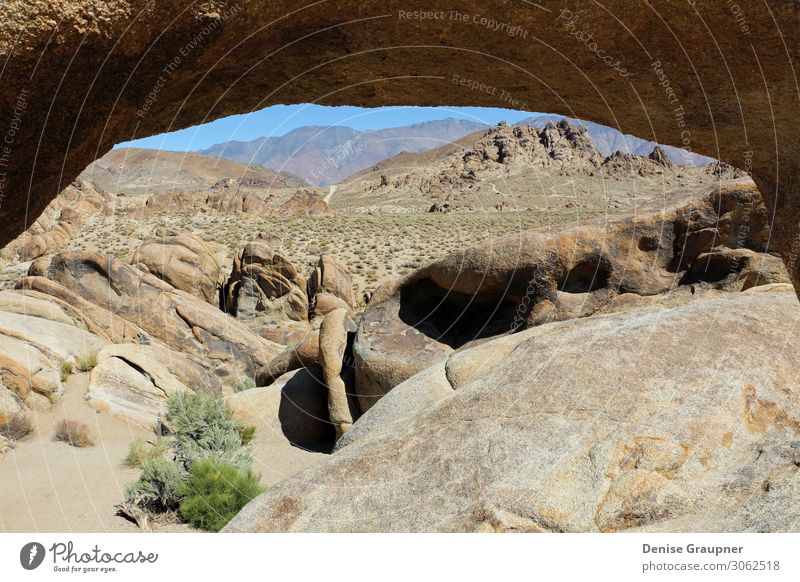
{"points": [[586, 276], [455, 318]]}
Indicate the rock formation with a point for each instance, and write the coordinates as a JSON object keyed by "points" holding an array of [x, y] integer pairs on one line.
{"points": [[174, 317], [713, 238], [60, 221], [185, 261], [265, 287], [581, 425], [333, 334], [329, 287]]}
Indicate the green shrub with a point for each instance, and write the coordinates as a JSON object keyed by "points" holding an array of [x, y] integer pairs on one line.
{"points": [[15, 426], [247, 432], [244, 384], [141, 450], [66, 370], [157, 489], [86, 362], [203, 427], [74, 433], [215, 492]]}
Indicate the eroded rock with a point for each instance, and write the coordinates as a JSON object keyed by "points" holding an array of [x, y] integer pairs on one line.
{"points": [[581, 425]]}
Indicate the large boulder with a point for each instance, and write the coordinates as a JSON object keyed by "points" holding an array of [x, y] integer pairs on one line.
{"points": [[293, 408], [176, 318], [134, 381], [714, 237], [32, 350], [265, 287], [672, 418], [185, 261]]}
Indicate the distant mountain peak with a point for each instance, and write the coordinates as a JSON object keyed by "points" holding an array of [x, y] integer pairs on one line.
{"points": [[328, 154]]}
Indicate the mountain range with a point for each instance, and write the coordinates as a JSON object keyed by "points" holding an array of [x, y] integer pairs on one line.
{"points": [[328, 155], [609, 140]]}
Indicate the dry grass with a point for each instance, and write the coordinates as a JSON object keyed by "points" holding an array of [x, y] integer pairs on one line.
{"points": [[86, 362], [66, 370], [15, 426], [141, 450], [74, 433]]}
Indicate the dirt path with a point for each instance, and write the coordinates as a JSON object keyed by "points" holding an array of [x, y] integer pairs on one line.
{"points": [[329, 196]]}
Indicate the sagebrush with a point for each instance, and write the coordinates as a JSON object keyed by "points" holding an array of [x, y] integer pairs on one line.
{"points": [[156, 490], [203, 427]]}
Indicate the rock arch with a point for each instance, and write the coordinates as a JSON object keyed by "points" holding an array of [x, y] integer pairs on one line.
{"points": [[78, 77]]}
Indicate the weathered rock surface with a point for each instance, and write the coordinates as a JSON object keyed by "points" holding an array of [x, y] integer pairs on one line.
{"points": [[178, 319], [83, 313], [32, 350], [265, 287], [304, 353], [594, 424], [295, 406], [185, 261], [330, 281], [333, 335], [135, 380], [716, 237]]}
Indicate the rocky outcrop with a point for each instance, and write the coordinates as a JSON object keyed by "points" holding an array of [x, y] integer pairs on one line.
{"points": [[178, 319], [134, 381], [61, 220], [330, 287], [265, 287], [333, 336], [185, 261], [294, 406], [306, 202], [501, 152], [582, 425], [712, 238]]}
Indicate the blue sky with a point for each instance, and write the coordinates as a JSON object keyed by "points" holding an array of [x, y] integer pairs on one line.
{"points": [[281, 119]]}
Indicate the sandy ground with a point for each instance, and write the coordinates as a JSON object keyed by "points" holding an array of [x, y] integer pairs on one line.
{"points": [[49, 486]]}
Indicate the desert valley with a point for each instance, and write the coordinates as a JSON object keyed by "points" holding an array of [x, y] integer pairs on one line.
{"points": [[503, 317]]}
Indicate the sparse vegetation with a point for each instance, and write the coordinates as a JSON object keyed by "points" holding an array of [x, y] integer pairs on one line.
{"points": [[215, 492], [66, 370], [74, 433], [203, 427], [15, 426], [141, 450], [248, 432], [86, 362], [157, 489], [208, 476], [244, 384]]}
